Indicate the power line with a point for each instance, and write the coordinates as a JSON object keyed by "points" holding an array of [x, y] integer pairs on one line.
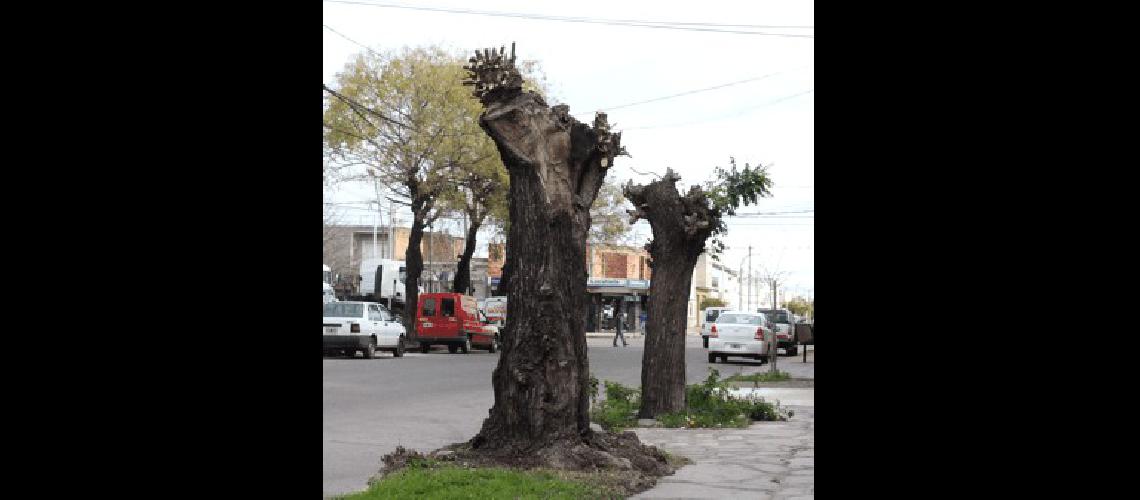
{"points": [[714, 87], [707, 27], [349, 39], [718, 118]]}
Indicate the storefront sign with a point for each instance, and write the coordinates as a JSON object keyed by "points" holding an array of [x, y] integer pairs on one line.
{"points": [[601, 282]]}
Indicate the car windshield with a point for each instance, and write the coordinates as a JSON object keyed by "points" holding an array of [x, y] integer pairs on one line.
{"points": [[740, 319], [343, 310], [778, 316]]}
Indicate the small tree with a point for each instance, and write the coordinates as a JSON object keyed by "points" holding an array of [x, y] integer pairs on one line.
{"points": [[482, 195], [681, 227], [712, 302], [405, 118], [608, 216]]}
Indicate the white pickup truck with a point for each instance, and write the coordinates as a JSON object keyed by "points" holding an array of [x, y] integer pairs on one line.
{"points": [[361, 326]]}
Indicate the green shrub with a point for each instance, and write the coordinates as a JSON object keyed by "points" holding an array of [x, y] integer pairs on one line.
{"points": [[619, 409], [709, 404]]}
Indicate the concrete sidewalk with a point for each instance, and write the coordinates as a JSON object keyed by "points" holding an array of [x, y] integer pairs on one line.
{"points": [[767, 460]]}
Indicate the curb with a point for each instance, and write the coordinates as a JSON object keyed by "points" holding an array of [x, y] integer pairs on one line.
{"points": [[611, 334]]}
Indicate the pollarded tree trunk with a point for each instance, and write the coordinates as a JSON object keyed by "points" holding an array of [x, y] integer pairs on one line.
{"points": [[681, 225], [556, 166]]}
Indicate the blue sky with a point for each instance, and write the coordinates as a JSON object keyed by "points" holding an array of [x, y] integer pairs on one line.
{"points": [[593, 67]]}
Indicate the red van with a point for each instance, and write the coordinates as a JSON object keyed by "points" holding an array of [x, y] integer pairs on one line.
{"points": [[452, 319]]}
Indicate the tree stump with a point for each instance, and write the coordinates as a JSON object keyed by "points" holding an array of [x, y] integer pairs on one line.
{"points": [[681, 226], [556, 166]]}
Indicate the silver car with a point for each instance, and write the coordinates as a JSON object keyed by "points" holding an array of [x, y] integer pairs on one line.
{"points": [[739, 333]]}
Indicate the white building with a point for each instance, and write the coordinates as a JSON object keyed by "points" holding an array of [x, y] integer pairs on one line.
{"points": [[711, 280]]}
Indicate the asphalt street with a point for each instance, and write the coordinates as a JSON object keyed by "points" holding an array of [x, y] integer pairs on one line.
{"points": [[426, 401]]}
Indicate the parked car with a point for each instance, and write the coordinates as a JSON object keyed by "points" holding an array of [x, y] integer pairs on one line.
{"points": [[496, 310], [361, 326], [739, 333], [709, 314], [785, 335], [452, 319]]}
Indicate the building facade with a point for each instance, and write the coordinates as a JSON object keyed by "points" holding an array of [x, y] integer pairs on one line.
{"points": [[346, 246]]}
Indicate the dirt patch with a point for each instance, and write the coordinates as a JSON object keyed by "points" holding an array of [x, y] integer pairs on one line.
{"points": [[617, 461]]}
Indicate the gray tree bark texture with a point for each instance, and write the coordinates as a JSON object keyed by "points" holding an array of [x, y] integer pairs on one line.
{"points": [[556, 165], [681, 225]]}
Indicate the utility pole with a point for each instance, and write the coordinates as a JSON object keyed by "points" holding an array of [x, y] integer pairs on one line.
{"points": [[375, 217], [391, 233], [749, 277], [740, 284], [740, 288], [775, 305]]}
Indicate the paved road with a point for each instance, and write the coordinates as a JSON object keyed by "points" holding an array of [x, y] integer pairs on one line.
{"points": [[425, 401]]}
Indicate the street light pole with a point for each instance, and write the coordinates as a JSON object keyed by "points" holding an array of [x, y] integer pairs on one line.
{"points": [[740, 284], [376, 216]]}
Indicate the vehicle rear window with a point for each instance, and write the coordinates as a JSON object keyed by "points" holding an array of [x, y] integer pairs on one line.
{"points": [[778, 316], [712, 315], [342, 310], [447, 308], [429, 308], [740, 319]]}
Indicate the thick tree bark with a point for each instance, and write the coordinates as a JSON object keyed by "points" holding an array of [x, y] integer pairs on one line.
{"points": [[681, 225], [462, 283], [556, 166]]}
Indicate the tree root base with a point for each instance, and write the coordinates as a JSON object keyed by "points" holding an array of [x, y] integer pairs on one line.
{"points": [[619, 461]]}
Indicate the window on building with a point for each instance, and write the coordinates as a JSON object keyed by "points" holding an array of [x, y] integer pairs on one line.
{"points": [[715, 282]]}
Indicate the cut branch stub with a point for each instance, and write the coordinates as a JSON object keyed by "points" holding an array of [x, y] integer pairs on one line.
{"points": [[491, 71], [690, 216]]}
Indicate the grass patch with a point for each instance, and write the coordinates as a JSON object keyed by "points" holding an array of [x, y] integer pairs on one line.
{"points": [[760, 377], [710, 404], [435, 481]]}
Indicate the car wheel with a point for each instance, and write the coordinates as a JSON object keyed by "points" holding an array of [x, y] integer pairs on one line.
{"points": [[399, 352], [466, 347], [370, 351], [723, 358], [452, 348], [712, 358], [424, 348], [792, 350]]}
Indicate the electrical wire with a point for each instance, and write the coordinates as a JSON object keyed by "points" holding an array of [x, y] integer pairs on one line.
{"points": [[704, 27]]}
